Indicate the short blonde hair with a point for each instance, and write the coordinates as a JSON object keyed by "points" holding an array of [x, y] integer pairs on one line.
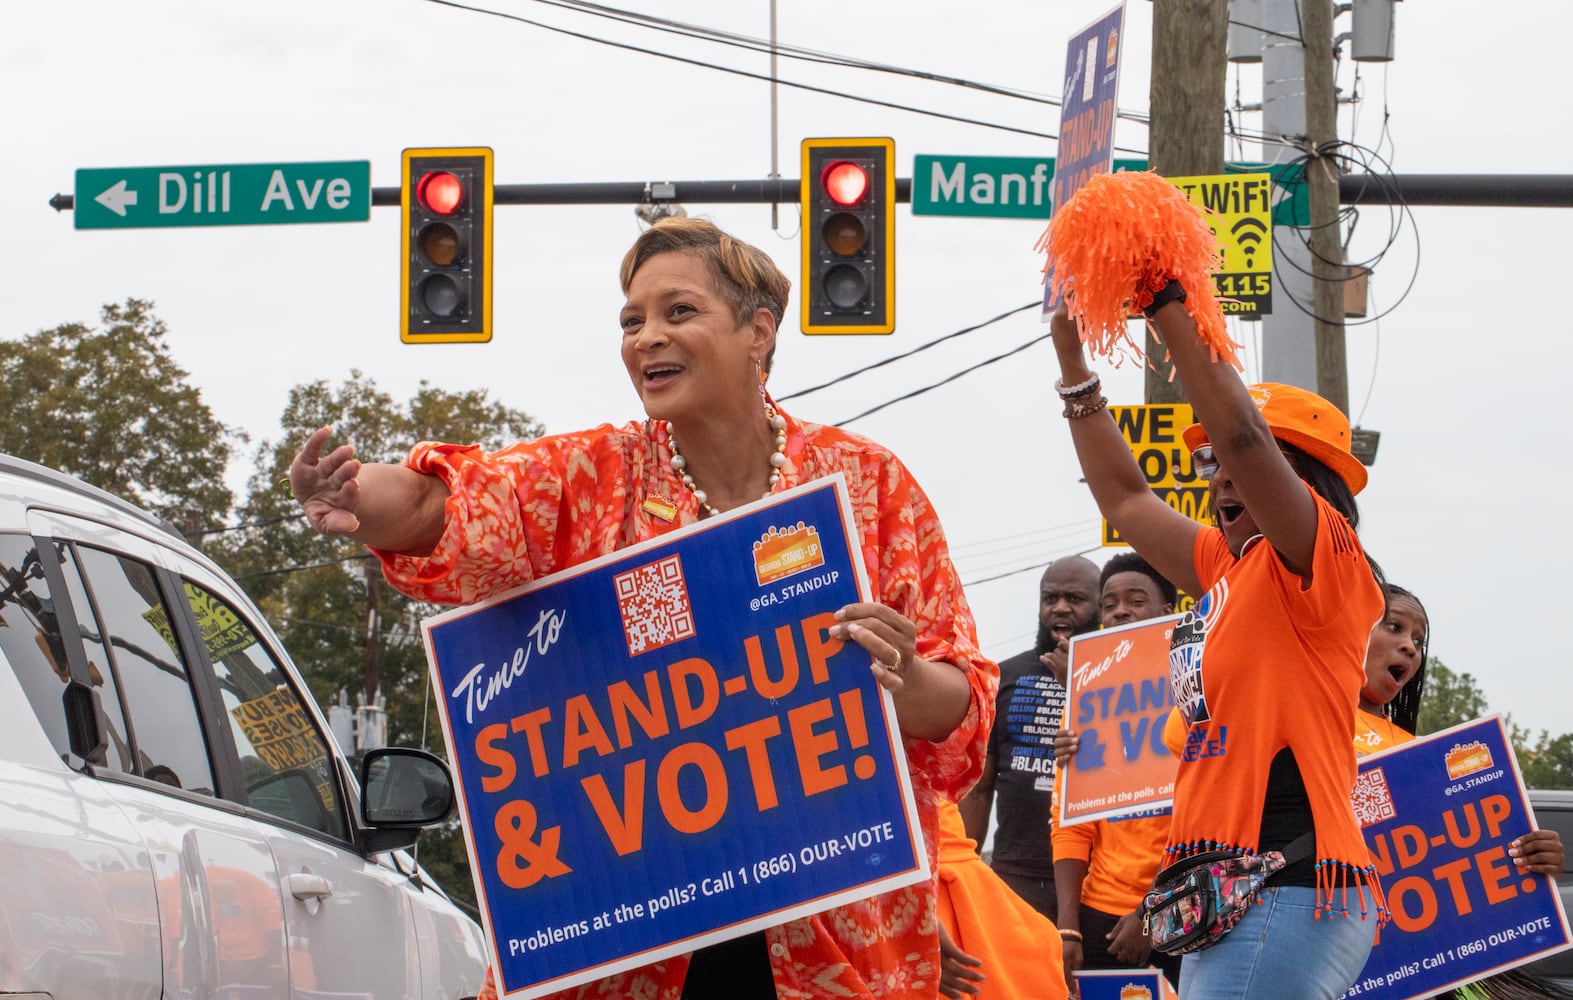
{"points": [[745, 275]]}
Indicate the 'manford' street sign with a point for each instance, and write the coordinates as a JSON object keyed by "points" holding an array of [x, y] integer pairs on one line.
{"points": [[244, 194], [998, 187]]}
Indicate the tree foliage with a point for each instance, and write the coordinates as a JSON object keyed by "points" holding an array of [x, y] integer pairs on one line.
{"points": [[1548, 762], [1449, 699], [109, 405], [346, 628]]}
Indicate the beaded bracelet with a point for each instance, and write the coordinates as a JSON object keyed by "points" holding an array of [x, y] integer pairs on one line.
{"points": [[1075, 409], [1070, 935], [1086, 388]]}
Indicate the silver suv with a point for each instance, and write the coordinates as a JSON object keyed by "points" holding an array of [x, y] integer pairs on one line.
{"points": [[1554, 811], [175, 820]]}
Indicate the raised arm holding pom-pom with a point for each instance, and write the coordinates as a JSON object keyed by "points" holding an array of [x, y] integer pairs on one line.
{"points": [[1265, 482], [1266, 667]]}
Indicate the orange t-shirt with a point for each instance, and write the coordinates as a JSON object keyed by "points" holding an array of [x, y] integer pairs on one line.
{"points": [[1122, 856], [541, 506], [1264, 662], [1377, 732]]}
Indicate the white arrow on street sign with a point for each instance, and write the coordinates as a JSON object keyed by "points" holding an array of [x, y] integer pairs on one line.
{"points": [[117, 198]]}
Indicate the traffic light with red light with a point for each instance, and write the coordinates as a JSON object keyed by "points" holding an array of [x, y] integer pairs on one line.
{"points": [[446, 199], [849, 236]]}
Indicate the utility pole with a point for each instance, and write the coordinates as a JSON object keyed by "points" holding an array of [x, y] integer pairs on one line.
{"points": [[1327, 252], [372, 652], [1303, 339], [1185, 136]]}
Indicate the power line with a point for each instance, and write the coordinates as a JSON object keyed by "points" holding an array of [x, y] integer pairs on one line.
{"points": [[1025, 569], [246, 524], [907, 354], [960, 119], [972, 550], [945, 381], [297, 569], [765, 47]]}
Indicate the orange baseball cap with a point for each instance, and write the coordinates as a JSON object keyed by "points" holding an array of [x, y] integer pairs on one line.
{"points": [[1302, 418]]}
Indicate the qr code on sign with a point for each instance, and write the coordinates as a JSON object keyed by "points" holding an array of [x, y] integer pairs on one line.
{"points": [[1372, 802], [653, 601]]}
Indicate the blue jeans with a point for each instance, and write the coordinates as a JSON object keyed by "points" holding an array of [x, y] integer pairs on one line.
{"points": [[1280, 950]]}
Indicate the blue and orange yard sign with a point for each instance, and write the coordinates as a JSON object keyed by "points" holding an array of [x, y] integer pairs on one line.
{"points": [[1123, 984], [1117, 701], [664, 748], [1438, 815]]}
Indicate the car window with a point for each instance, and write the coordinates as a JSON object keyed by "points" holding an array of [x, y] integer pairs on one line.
{"points": [[286, 759], [1559, 818], [153, 675], [30, 636], [33, 639], [120, 755]]}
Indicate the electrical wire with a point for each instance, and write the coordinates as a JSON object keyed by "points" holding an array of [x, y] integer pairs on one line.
{"points": [[766, 47], [1265, 30], [907, 354], [359, 629], [944, 381], [246, 524], [298, 569], [1399, 211], [1376, 362], [1025, 569], [1014, 542], [960, 119]]}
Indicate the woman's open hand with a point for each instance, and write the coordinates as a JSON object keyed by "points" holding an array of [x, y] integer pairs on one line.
{"points": [[326, 485]]}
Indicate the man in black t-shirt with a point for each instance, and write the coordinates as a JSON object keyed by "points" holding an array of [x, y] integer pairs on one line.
{"points": [[1019, 768]]}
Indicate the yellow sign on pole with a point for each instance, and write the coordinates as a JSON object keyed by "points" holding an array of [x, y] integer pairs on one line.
{"points": [[1153, 432], [1240, 214]]}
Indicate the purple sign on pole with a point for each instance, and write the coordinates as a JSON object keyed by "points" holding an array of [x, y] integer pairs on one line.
{"points": [[1087, 111]]}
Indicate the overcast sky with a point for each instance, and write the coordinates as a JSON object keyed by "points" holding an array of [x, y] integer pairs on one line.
{"points": [[1465, 375]]}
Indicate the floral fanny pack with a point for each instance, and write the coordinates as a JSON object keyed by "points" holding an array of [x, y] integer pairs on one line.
{"points": [[1195, 902]]}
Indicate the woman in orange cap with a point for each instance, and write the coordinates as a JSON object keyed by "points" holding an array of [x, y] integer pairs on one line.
{"points": [[1267, 667]]}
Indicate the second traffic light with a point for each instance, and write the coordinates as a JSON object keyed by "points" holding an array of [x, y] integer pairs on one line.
{"points": [[446, 201], [849, 235]]}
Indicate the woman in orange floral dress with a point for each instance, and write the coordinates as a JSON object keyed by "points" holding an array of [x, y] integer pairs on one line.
{"points": [[455, 525]]}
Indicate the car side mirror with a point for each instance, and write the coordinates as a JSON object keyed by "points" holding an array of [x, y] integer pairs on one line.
{"points": [[403, 790]]}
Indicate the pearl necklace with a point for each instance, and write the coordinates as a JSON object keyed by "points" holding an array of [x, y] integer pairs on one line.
{"points": [[778, 459]]}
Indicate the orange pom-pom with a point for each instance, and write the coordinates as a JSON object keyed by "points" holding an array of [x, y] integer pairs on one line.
{"points": [[1122, 237]]}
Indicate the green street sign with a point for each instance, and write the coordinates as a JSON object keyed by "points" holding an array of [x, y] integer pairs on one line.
{"points": [[994, 187], [1017, 187], [243, 194]]}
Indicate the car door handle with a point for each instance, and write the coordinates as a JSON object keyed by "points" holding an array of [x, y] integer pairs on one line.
{"points": [[304, 886]]}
